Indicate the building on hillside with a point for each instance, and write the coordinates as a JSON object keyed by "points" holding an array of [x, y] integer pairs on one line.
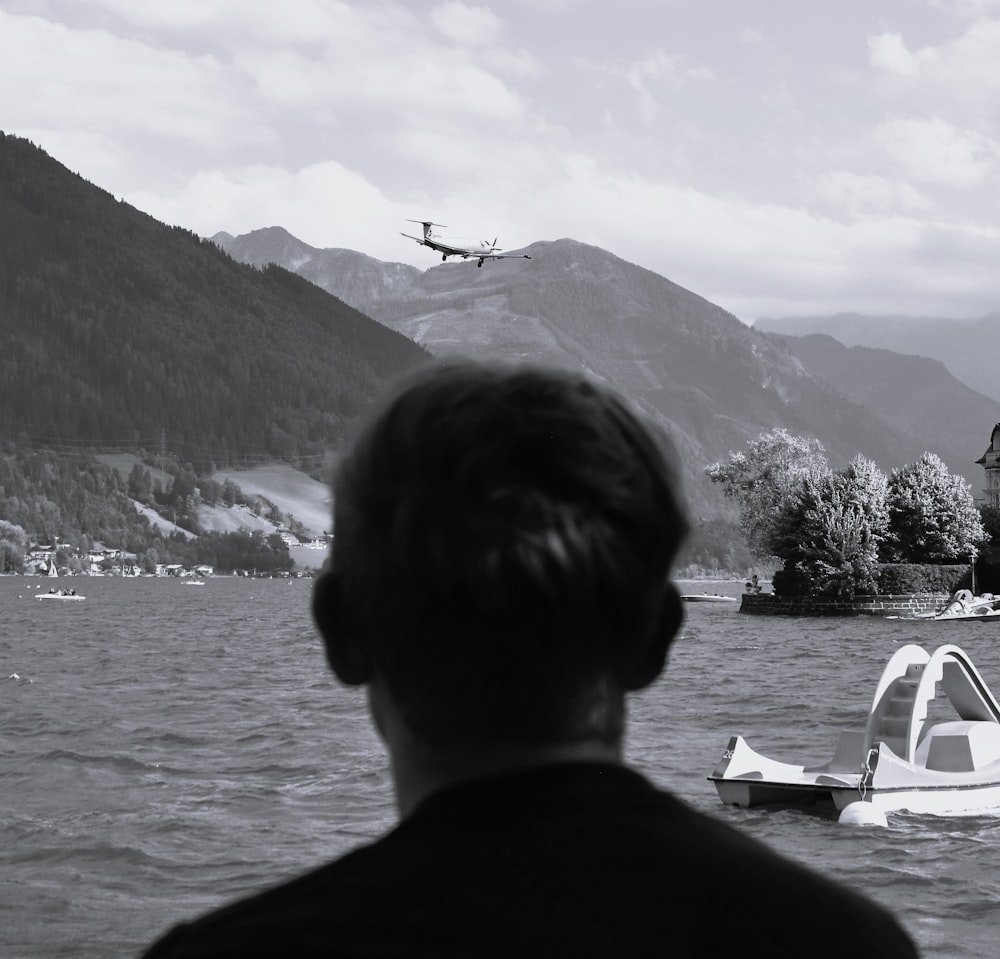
{"points": [[990, 461]]}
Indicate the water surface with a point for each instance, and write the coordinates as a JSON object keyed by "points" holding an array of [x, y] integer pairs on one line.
{"points": [[164, 749]]}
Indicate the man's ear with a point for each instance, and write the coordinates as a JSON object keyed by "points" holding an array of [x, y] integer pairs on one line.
{"points": [[344, 652], [652, 657]]}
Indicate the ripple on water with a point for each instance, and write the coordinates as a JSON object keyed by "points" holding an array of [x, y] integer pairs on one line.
{"points": [[176, 748]]}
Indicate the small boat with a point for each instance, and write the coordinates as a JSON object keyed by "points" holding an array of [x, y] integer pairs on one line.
{"points": [[901, 760], [192, 582], [63, 594], [707, 598], [963, 605]]}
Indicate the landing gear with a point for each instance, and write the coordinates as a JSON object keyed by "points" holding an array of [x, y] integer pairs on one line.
{"points": [[480, 263], [445, 257]]}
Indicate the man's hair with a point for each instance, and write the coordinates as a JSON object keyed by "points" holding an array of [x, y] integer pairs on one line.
{"points": [[503, 539]]}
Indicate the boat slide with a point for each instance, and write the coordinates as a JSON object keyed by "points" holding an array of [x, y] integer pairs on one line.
{"points": [[902, 759]]}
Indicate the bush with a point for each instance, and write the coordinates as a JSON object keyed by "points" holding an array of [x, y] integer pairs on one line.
{"points": [[920, 578], [791, 582], [896, 578]]}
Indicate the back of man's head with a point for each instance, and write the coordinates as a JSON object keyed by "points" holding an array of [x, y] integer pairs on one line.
{"points": [[502, 544]]}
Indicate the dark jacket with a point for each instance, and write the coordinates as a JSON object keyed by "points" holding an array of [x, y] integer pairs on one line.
{"points": [[576, 860]]}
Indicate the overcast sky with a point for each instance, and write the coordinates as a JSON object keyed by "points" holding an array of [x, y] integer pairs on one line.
{"points": [[775, 156]]}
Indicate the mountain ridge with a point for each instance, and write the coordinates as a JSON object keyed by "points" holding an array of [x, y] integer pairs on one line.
{"points": [[916, 394], [120, 329], [968, 348], [692, 365], [120, 332]]}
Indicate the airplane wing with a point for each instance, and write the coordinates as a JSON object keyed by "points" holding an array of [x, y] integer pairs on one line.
{"points": [[487, 252]]}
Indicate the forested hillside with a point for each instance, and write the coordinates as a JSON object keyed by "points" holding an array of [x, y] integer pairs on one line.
{"points": [[116, 330]]}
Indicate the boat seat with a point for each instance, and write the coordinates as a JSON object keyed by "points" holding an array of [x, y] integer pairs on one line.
{"points": [[962, 746], [847, 756]]}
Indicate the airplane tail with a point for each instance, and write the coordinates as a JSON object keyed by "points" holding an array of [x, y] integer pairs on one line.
{"points": [[427, 224]]}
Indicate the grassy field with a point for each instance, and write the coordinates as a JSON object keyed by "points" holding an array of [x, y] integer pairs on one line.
{"points": [[291, 490], [123, 463]]}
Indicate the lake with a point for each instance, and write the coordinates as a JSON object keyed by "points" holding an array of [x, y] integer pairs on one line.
{"points": [[166, 748]]}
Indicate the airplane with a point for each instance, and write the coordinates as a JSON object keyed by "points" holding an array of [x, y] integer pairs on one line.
{"points": [[484, 251]]}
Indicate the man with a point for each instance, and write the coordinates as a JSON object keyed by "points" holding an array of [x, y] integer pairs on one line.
{"points": [[498, 583]]}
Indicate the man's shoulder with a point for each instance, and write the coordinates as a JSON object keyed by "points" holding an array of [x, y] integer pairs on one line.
{"points": [[304, 909], [599, 851]]}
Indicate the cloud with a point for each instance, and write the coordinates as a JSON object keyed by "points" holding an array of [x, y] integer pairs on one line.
{"points": [[230, 23], [969, 9], [752, 166], [931, 150], [960, 76], [168, 96], [665, 70], [861, 194], [758, 259], [107, 94], [314, 203], [888, 52], [469, 26]]}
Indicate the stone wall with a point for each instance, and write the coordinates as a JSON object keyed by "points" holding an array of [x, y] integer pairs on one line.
{"points": [[904, 604]]}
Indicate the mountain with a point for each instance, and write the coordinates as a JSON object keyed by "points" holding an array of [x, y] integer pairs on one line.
{"points": [[117, 330], [916, 395], [968, 348], [711, 380], [355, 278]]}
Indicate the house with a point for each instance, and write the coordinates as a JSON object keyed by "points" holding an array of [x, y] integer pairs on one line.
{"points": [[990, 461]]}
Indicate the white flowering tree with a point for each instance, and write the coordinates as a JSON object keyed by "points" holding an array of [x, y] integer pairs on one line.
{"points": [[829, 538], [764, 481], [932, 516]]}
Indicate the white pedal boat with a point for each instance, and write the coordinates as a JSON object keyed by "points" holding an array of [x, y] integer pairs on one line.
{"points": [[963, 605], [901, 760]]}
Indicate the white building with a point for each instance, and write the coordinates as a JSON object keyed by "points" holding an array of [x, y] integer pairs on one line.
{"points": [[990, 461]]}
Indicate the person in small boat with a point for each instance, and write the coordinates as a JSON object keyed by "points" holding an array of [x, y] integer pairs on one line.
{"points": [[498, 583]]}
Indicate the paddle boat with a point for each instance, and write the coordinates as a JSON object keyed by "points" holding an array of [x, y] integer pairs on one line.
{"points": [[964, 605], [901, 760]]}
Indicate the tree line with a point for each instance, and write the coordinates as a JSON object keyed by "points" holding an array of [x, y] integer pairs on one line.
{"points": [[115, 329], [832, 530]]}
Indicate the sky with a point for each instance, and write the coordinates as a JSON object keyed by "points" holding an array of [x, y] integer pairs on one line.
{"points": [[777, 157]]}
